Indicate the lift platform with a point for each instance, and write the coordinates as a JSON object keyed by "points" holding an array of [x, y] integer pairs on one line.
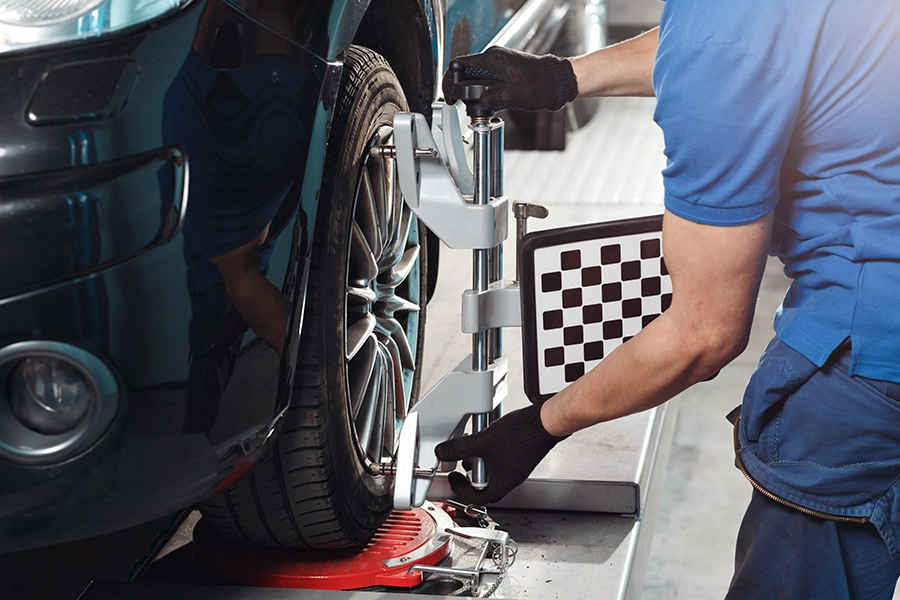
{"points": [[567, 550]]}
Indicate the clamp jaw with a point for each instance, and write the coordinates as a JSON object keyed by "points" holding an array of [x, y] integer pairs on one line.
{"points": [[432, 191]]}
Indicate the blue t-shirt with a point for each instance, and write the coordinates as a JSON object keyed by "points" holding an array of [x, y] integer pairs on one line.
{"points": [[791, 106]]}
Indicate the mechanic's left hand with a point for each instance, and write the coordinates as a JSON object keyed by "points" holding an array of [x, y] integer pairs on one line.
{"points": [[511, 448]]}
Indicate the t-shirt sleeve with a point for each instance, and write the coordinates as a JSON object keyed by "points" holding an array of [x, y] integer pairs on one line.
{"points": [[727, 118]]}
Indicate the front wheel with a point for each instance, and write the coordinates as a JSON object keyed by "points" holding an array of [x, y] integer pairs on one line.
{"points": [[360, 351]]}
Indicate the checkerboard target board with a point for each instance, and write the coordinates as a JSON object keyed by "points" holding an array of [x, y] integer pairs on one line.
{"points": [[585, 291]]}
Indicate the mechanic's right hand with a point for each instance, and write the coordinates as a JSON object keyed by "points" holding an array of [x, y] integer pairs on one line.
{"points": [[524, 81], [511, 448]]}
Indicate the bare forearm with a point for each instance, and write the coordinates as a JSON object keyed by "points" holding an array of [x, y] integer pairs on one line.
{"points": [[624, 69], [654, 366]]}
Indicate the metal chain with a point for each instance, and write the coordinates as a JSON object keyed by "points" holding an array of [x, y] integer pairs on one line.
{"points": [[480, 514]]}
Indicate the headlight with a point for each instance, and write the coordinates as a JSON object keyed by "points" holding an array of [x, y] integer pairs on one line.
{"points": [[28, 13], [49, 395], [29, 23]]}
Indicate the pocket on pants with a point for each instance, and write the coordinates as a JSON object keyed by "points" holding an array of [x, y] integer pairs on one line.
{"points": [[781, 370], [827, 434]]}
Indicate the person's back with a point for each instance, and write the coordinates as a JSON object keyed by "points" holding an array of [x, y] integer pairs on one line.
{"points": [[788, 107], [809, 89]]}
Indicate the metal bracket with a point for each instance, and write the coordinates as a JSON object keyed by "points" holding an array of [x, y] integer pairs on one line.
{"points": [[496, 543], [498, 306], [431, 168], [444, 409], [432, 194], [447, 132], [494, 536]]}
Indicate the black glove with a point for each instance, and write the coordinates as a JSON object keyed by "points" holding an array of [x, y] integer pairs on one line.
{"points": [[526, 81], [511, 448]]}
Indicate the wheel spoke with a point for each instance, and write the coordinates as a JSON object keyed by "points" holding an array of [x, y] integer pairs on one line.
{"points": [[374, 173], [369, 422], [390, 426], [402, 305], [390, 200], [400, 397], [379, 173], [404, 266], [358, 333], [365, 419], [363, 266], [385, 400], [360, 297], [398, 336], [367, 212], [361, 371], [400, 241], [399, 225]]}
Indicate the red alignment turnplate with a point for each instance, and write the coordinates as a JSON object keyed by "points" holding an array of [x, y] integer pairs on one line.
{"points": [[407, 538]]}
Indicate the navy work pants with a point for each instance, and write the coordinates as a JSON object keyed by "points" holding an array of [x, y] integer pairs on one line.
{"points": [[830, 433], [783, 554]]}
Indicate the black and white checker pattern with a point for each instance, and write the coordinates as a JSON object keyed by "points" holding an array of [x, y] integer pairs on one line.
{"points": [[587, 293]]}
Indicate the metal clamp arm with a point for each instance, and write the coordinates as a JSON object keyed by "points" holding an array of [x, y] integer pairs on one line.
{"points": [[433, 419], [498, 306], [447, 132], [431, 192]]}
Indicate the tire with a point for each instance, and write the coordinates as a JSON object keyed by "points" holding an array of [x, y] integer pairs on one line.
{"points": [[584, 30], [361, 345]]}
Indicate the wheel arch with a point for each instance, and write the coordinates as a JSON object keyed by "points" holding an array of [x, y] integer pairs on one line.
{"points": [[403, 33]]}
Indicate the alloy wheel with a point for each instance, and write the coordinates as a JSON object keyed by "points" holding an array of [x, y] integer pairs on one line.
{"points": [[384, 295]]}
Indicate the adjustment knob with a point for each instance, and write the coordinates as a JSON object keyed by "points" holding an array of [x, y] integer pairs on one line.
{"points": [[468, 90]]}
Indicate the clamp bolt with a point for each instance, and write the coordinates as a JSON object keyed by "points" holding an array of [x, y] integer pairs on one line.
{"points": [[522, 211], [386, 469], [389, 151], [390, 470]]}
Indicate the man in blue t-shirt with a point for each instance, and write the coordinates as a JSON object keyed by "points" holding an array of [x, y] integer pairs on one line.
{"points": [[781, 137]]}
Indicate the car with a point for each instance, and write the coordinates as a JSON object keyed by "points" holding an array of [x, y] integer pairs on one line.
{"points": [[211, 290]]}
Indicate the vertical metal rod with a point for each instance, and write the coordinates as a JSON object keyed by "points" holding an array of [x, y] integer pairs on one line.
{"points": [[496, 335], [497, 146], [481, 271]]}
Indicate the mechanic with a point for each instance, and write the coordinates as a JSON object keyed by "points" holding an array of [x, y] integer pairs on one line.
{"points": [[780, 136]]}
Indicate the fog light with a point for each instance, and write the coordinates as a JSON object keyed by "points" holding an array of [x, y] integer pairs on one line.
{"points": [[49, 395]]}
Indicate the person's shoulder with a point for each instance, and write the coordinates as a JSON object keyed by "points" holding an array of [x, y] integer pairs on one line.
{"points": [[772, 31], [731, 21]]}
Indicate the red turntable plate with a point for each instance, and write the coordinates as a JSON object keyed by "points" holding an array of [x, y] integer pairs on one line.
{"points": [[407, 538]]}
